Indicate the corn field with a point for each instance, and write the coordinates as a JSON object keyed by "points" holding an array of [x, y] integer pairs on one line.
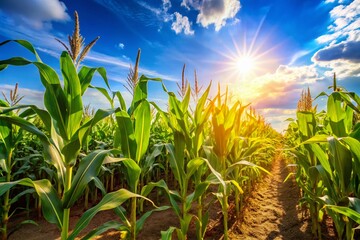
{"points": [[203, 146], [65, 155]]}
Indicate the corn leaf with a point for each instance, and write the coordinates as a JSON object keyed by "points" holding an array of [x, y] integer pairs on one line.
{"points": [[142, 117], [354, 215], [26, 45], [88, 168], [109, 201], [51, 205], [128, 142]]}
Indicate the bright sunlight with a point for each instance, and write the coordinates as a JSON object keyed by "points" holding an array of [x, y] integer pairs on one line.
{"points": [[245, 64]]}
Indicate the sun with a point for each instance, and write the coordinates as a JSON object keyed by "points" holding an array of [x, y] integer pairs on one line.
{"points": [[245, 64]]}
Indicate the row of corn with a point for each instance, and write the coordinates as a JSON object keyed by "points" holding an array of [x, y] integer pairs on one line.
{"points": [[326, 149]]}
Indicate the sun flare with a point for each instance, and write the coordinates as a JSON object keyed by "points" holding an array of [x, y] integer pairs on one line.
{"points": [[245, 64]]}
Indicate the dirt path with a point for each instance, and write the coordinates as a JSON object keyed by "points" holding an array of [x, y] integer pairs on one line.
{"points": [[271, 210]]}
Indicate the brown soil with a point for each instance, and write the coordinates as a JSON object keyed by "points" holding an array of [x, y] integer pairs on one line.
{"points": [[271, 212]]}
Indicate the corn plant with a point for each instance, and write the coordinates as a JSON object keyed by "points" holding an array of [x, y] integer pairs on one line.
{"points": [[132, 137], [62, 120], [185, 160], [225, 128]]}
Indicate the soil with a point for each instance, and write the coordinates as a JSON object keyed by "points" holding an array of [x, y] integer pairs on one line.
{"points": [[271, 212]]}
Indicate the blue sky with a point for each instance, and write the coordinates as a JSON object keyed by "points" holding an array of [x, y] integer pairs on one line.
{"points": [[265, 51]]}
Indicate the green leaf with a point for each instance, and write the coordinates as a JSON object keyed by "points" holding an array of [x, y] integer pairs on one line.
{"points": [[121, 100], [109, 201], [26, 126], [354, 215], [26, 45], [246, 163], [337, 114], [85, 129], [354, 146], [141, 221], [88, 168], [85, 76], [142, 117], [342, 163], [200, 106], [73, 91], [307, 124], [105, 93], [51, 204], [133, 173], [53, 156], [192, 166], [141, 91], [176, 164], [167, 235], [162, 184], [322, 157], [128, 142], [103, 228]]}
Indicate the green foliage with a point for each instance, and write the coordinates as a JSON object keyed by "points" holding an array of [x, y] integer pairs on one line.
{"points": [[328, 161], [129, 153]]}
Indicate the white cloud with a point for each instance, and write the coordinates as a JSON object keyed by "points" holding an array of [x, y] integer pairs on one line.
{"points": [[217, 12], [345, 23], [280, 89], [342, 68], [277, 117], [275, 95], [121, 45], [329, 1], [37, 14], [342, 42], [188, 4], [181, 24], [166, 5]]}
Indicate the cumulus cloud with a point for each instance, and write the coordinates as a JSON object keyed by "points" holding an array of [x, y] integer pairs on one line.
{"points": [[342, 68], [280, 89], [341, 53], [181, 24], [344, 51], [121, 45], [217, 12], [37, 14], [345, 23]]}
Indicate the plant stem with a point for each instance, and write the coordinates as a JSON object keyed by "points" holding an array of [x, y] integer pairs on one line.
{"points": [[66, 217], [6, 206], [133, 219], [237, 204], [200, 216], [225, 214], [86, 203]]}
